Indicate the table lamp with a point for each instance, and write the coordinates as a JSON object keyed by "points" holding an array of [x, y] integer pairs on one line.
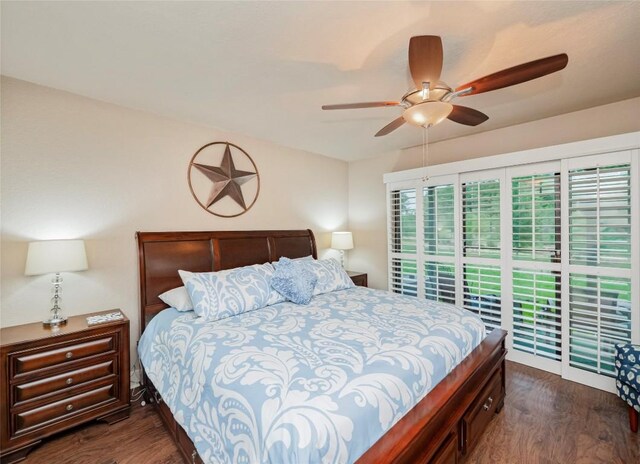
{"points": [[342, 241], [55, 256]]}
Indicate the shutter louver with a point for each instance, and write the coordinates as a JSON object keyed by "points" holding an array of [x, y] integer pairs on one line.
{"points": [[481, 218], [439, 243], [482, 293], [536, 217], [403, 224], [439, 239], [404, 277], [600, 216], [403, 272], [439, 282], [536, 313], [599, 317]]}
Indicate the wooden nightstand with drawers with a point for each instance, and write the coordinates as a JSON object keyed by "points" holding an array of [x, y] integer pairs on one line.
{"points": [[358, 278], [53, 380]]}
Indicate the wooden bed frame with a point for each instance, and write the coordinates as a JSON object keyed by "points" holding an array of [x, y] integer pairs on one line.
{"points": [[442, 428]]}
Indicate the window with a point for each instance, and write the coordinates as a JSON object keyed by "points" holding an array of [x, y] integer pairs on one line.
{"points": [[483, 293], [535, 217], [402, 243], [438, 220], [599, 268], [481, 246], [600, 216], [599, 317], [536, 277], [536, 313], [439, 242], [481, 218], [547, 249]]}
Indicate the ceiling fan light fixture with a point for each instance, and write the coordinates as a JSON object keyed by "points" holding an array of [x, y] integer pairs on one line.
{"points": [[427, 113]]}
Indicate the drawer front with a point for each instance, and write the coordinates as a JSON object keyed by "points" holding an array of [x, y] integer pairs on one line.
{"points": [[30, 390], [38, 417], [359, 280], [481, 412], [448, 452], [53, 355]]}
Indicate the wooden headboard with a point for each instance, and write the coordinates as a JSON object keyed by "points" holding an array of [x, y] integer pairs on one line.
{"points": [[161, 254]]}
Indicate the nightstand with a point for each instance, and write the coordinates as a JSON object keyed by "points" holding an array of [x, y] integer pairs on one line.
{"points": [[359, 278], [53, 380]]}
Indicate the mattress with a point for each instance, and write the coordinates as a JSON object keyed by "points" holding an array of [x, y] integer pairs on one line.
{"points": [[299, 384]]}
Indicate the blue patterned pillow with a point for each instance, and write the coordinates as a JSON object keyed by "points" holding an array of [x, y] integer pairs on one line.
{"points": [[294, 281], [217, 295], [331, 276]]}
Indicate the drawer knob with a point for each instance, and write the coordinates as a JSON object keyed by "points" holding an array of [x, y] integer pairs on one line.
{"points": [[487, 404], [69, 407], [69, 380], [69, 355]]}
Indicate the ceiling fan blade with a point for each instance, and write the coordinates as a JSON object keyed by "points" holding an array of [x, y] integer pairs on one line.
{"points": [[517, 74], [425, 59], [467, 116], [351, 106], [393, 125]]}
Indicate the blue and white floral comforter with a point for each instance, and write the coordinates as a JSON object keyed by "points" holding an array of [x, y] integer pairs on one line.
{"points": [[298, 384]]}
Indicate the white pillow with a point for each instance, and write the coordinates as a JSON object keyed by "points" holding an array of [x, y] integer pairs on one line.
{"points": [[177, 298], [331, 276]]}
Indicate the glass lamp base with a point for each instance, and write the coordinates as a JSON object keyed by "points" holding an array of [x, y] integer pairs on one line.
{"points": [[55, 321]]}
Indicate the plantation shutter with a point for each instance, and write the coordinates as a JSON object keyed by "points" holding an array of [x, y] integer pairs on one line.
{"points": [[600, 216], [482, 293], [535, 265], [599, 240], [545, 246], [439, 242], [481, 216], [599, 317], [537, 321], [403, 269], [481, 247]]}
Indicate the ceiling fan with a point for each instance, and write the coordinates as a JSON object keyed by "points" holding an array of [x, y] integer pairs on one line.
{"points": [[430, 102]]}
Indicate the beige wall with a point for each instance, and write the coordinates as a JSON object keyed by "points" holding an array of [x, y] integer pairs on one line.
{"points": [[367, 203], [73, 167]]}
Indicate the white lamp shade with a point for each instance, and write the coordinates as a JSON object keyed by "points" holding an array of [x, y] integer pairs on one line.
{"points": [[51, 256], [428, 113], [342, 241]]}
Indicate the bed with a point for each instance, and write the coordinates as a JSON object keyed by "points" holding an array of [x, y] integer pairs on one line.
{"points": [[379, 415]]}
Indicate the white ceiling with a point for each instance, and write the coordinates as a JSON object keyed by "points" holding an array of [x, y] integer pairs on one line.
{"points": [[265, 68]]}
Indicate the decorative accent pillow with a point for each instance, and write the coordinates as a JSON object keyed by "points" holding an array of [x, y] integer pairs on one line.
{"points": [[294, 281], [331, 276], [177, 298], [222, 294]]}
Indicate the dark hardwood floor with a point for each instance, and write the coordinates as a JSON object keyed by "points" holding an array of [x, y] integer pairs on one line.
{"points": [[545, 420], [549, 420]]}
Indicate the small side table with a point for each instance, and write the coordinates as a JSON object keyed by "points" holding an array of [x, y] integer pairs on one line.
{"points": [[358, 278], [55, 379]]}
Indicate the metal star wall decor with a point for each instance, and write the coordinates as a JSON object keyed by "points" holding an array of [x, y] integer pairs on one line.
{"points": [[224, 180]]}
